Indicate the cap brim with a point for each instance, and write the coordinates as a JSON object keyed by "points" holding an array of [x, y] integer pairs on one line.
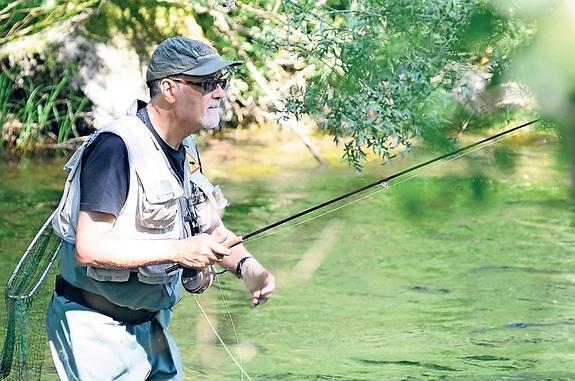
{"points": [[210, 66]]}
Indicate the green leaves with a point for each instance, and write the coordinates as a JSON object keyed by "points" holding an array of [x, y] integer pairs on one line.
{"points": [[25, 17], [384, 70], [374, 74]]}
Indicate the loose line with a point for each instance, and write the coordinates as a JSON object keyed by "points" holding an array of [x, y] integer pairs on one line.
{"points": [[221, 341], [232, 324]]}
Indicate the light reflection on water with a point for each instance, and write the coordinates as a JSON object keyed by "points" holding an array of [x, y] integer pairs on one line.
{"points": [[448, 276]]}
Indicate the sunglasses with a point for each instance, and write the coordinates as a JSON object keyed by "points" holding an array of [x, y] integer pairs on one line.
{"points": [[208, 85]]}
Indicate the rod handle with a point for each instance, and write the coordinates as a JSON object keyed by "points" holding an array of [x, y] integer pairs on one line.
{"points": [[229, 243]]}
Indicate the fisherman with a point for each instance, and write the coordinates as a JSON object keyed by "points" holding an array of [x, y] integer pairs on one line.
{"points": [[135, 203]]}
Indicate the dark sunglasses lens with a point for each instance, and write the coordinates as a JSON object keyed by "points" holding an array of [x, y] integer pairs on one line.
{"points": [[224, 82], [211, 84]]}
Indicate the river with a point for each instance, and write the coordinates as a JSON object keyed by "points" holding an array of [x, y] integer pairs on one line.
{"points": [[463, 272]]}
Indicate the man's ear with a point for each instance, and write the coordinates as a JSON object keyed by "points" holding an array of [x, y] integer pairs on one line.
{"points": [[168, 89]]}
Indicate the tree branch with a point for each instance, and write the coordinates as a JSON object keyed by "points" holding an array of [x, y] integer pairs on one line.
{"points": [[291, 123]]}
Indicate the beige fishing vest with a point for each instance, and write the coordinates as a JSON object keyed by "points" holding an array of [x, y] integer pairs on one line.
{"points": [[155, 202]]}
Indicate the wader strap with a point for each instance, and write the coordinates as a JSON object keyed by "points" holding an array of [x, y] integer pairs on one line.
{"points": [[101, 304]]}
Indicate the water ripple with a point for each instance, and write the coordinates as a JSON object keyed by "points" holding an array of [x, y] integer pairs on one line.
{"points": [[408, 363]]}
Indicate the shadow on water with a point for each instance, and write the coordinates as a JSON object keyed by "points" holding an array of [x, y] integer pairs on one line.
{"points": [[499, 363]]}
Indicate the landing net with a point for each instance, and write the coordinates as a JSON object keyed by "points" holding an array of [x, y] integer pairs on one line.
{"points": [[27, 296]]}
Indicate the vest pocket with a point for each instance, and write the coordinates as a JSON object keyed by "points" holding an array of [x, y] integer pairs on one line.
{"points": [[155, 215], [157, 207], [107, 275]]}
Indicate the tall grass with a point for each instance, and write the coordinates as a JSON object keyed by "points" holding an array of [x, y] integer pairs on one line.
{"points": [[38, 107], [74, 106], [44, 112], [5, 92]]}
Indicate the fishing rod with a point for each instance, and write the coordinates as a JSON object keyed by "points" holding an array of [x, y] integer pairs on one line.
{"points": [[246, 237]]}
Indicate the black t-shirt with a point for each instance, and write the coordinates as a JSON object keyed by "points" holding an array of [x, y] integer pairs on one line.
{"points": [[105, 172]]}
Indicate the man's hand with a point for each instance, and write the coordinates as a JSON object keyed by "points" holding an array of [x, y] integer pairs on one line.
{"points": [[202, 250], [259, 281]]}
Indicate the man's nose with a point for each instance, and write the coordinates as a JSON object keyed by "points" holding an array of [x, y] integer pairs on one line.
{"points": [[218, 93]]}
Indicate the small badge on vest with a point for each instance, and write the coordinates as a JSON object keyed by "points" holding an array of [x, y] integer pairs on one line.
{"points": [[194, 166]]}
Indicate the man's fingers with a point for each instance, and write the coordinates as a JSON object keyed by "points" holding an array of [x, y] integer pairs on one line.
{"points": [[266, 295], [212, 257], [269, 286], [233, 240], [260, 297], [256, 298], [219, 249], [260, 300]]}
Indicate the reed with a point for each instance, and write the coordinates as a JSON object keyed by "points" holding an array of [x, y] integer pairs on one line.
{"points": [[74, 107], [45, 112], [5, 92]]}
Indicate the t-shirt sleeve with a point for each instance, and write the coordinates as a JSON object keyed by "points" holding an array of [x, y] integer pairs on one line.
{"points": [[105, 175]]}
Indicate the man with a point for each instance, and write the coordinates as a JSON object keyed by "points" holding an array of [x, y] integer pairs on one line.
{"points": [[135, 204]]}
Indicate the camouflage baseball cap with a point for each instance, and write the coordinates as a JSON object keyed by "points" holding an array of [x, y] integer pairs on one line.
{"points": [[181, 55]]}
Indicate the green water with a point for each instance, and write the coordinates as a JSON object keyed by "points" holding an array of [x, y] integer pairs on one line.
{"points": [[464, 272]]}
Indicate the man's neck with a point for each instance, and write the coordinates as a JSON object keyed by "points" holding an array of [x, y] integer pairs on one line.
{"points": [[165, 125]]}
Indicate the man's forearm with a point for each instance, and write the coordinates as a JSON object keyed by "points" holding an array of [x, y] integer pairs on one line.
{"points": [[98, 245], [112, 251]]}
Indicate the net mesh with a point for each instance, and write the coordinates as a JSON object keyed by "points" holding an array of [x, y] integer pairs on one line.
{"points": [[27, 296]]}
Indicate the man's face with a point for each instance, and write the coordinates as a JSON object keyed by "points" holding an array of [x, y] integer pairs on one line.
{"points": [[199, 101]]}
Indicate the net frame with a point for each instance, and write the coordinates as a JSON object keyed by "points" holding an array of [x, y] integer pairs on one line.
{"points": [[26, 296]]}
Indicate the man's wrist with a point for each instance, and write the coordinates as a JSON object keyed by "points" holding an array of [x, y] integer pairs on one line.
{"points": [[176, 249], [238, 271]]}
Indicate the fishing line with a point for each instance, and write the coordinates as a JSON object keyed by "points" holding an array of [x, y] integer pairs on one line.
{"points": [[232, 323], [221, 341], [386, 186], [317, 216], [415, 169], [458, 156]]}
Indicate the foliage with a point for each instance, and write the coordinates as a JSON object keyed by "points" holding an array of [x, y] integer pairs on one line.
{"points": [[143, 23], [39, 103], [5, 92], [385, 71], [42, 98], [374, 74], [24, 17]]}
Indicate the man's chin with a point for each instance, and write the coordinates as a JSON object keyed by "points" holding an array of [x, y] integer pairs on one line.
{"points": [[210, 123]]}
